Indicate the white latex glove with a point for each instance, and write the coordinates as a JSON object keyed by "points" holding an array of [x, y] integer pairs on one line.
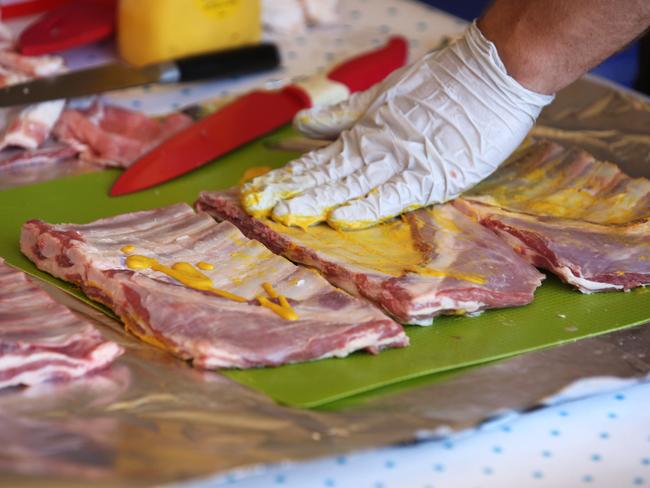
{"points": [[423, 136]]}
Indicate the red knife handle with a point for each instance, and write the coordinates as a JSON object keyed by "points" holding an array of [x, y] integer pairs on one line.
{"points": [[29, 7], [242, 120], [363, 71], [73, 24]]}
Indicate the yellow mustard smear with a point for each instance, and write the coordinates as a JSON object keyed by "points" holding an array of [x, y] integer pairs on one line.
{"points": [[191, 277], [129, 248], [356, 225], [442, 221], [301, 221], [352, 225], [254, 172], [204, 266], [270, 291], [182, 272], [284, 309], [543, 191], [251, 200], [424, 271], [387, 248], [149, 339], [306, 221]]}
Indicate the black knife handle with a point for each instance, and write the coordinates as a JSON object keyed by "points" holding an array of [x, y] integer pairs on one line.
{"points": [[230, 62]]}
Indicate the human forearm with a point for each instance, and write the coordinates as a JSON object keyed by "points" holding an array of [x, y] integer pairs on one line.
{"points": [[547, 44]]}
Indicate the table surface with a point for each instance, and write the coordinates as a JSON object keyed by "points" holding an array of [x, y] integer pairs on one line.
{"points": [[600, 441]]}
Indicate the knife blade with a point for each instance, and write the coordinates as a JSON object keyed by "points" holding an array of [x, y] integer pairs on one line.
{"points": [[219, 64], [253, 115]]}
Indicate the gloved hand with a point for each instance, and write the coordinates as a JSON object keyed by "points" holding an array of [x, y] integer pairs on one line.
{"points": [[424, 135]]}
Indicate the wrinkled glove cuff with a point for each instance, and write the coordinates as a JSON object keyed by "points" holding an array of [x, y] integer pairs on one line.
{"points": [[486, 52]]}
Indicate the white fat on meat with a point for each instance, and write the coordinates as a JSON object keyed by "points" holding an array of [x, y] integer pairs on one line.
{"points": [[75, 367], [451, 306], [41, 340], [33, 66], [584, 285], [50, 153], [32, 125]]}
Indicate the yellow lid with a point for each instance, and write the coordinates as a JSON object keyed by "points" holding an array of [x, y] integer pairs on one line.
{"points": [[151, 31]]}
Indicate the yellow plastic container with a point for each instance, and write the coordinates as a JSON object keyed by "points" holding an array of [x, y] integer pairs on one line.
{"points": [[150, 31]]}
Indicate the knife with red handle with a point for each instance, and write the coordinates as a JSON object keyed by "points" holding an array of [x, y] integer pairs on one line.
{"points": [[255, 114]]}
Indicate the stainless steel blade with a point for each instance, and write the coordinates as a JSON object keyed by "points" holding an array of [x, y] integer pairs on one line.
{"points": [[86, 82]]}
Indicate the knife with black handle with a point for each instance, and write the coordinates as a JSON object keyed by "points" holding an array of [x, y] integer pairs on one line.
{"points": [[219, 64]]}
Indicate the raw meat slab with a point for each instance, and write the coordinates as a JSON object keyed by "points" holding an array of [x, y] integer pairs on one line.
{"points": [[582, 219], [114, 136], [211, 331], [591, 257], [434, 261], [41, 340]]}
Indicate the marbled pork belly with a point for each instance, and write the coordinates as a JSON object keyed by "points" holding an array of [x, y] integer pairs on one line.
{"points": [[211, 295], [40, 339], [433, 261], [114, 136], [48, 154]]}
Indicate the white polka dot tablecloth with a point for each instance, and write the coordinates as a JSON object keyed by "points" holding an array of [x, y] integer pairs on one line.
{"points": [[365, 24], [602, 441]]}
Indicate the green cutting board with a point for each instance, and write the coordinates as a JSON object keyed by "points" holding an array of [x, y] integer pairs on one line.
{"points": [[559, 314]]}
